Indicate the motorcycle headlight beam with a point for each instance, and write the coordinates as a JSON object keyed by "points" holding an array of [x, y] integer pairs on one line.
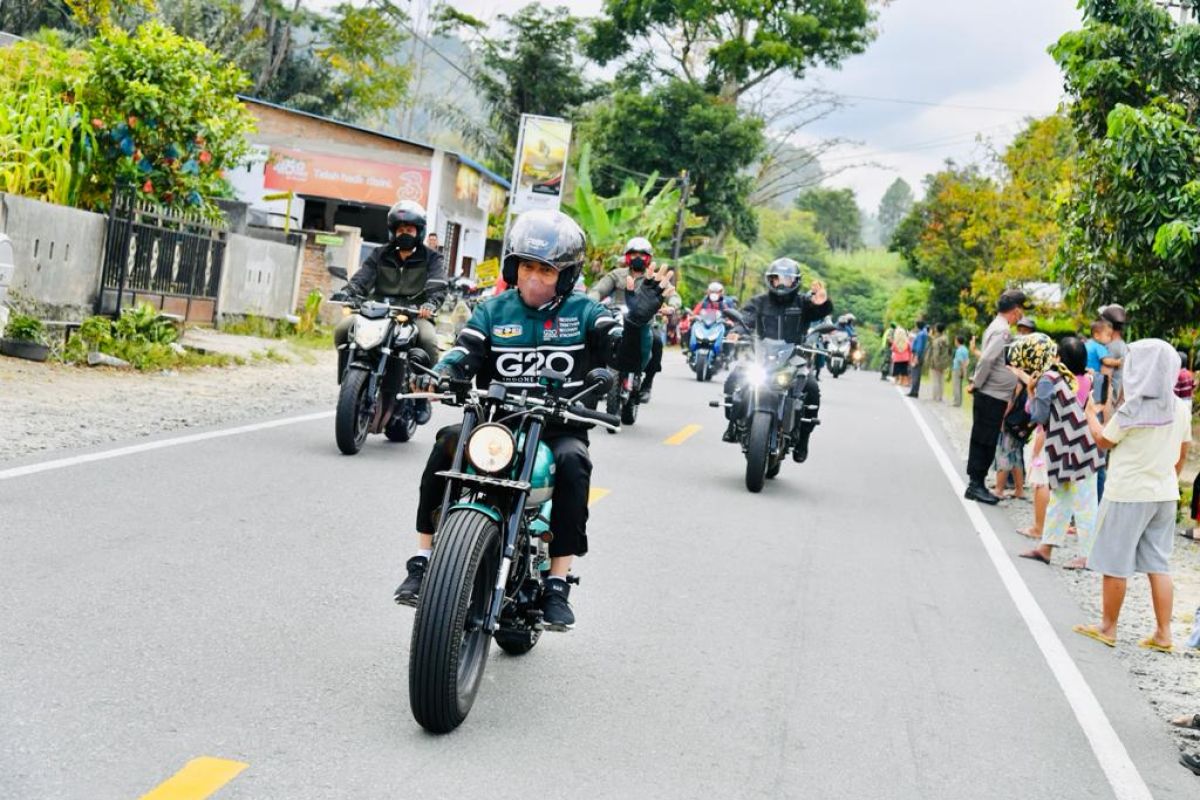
{"points": [[783, 378], [756, 374], [491, 448], [370, 332]]}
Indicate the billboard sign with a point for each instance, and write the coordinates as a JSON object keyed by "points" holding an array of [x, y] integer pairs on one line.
{"points": [[541, 168], [342, 178]]}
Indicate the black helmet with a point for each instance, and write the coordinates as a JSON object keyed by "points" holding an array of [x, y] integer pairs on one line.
{"points": [[408, 213], [788, 273], [550, 237]]}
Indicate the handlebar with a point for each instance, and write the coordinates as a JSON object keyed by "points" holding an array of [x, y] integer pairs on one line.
{"points": [[356, 303], [536, 405]]}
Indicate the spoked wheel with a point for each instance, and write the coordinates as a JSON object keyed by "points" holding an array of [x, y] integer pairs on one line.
{"points": [[449, 643], [403, 424], [353, 418], [758, 450]]}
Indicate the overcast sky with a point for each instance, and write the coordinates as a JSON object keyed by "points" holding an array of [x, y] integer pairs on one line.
{"points": [[989, 55]]}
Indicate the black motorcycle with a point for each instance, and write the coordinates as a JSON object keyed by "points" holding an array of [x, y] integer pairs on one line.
{"points": [[490, 557], [765, 411], [381, 351], [624, 397]]}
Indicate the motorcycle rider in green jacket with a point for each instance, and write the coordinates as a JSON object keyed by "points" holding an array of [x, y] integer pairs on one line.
{"points": [[511, 338]]}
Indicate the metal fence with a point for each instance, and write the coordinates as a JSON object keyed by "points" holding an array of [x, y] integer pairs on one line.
{"points": [[153, 254]]}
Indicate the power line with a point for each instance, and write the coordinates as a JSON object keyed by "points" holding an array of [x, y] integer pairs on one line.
{"points": [[931, 104], [944, 141]]}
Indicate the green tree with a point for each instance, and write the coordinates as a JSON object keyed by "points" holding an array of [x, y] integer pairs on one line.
{"points": [[730, 46], [166, 117], [949, 235], [674, 127], [837, 216], [532, 66], [894, 206], [1131, 226]]}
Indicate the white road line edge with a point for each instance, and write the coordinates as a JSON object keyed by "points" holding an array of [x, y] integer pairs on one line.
{"points": [[1114, 759], [158, 444]]}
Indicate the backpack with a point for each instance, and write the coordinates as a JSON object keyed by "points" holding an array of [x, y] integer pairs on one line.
{"points": [[1017, 422]]}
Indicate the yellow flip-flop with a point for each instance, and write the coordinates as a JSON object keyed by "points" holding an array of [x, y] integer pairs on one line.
{"points": [[1150, 644], [1092, 632]]}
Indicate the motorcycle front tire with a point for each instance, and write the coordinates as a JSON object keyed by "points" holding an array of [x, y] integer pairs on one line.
{"points": [[350, 424], [758, 450], [704, 366], [450, 646]]}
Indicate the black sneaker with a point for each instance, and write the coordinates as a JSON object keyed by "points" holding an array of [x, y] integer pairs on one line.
{"points": [[556, 611], [1191, 761], [409, 592], [644, 396], [800, 451], [423, 412]]}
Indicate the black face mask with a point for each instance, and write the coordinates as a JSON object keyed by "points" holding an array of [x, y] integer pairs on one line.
{"points": [[637, 264], [406, 241]]}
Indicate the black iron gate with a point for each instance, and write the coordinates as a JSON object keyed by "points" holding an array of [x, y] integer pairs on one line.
{"points": [[168, 259]]}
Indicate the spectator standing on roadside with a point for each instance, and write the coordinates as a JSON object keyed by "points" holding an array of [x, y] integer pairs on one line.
{"points": [[901, 356], [1097, 351], [1185, 387], [992, 386], [1114, 315], [920, 344], [958, 369], [939, 360], [1148, 436], [1066, 447]]}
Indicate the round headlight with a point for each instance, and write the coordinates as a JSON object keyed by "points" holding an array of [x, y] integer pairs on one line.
{"points": [[756, 373], [783, 378], [491, 448]]}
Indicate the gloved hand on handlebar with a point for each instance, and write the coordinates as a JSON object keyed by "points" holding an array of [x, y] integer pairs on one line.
{"points": [[344, 296]]}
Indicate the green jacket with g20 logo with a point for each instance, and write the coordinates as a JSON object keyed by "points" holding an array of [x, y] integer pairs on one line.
{"points": [[507, 341]]}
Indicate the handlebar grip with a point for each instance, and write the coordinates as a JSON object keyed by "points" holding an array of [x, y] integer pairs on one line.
{"points": [[599, 416]]}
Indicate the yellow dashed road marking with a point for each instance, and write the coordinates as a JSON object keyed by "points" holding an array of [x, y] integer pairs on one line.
{"points": [[688, 432], [198, 779], [595, 494]]}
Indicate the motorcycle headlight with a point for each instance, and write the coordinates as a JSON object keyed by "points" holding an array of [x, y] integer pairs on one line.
{"points": [[491, 448], [370, 332], [756, 373], [858, 355], [783, 378]]}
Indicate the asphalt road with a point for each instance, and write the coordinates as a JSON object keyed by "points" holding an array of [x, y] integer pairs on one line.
{"points": [[841, 635]]}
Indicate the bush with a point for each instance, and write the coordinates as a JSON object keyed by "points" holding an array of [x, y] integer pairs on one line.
{"points": [[24, 328], [166, 116], [143, 325]]}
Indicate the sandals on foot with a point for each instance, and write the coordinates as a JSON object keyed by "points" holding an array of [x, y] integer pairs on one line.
{"points": [[1076, 563], [1149, 644], [1186, 721], [1092, 632], [1028, 533], [1034, 555]]}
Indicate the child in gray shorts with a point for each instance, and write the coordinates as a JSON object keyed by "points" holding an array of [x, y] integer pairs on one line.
{"points": [[1148, 436]]}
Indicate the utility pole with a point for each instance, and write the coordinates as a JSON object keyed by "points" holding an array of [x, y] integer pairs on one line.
{"points": [[682, 218]]}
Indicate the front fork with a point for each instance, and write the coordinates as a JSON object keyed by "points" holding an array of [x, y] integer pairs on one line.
{"points": [[512, 531]]}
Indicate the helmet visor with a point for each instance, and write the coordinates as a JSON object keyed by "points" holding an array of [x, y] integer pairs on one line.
{"points": [[781, 281]]}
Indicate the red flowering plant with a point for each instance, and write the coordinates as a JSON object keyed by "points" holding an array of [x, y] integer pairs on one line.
{"points": [[165, 116]]}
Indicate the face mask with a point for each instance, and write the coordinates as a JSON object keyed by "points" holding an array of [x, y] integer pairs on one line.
{"points": [[637, 264], [716, 298], [406, 241], [534, 292]]}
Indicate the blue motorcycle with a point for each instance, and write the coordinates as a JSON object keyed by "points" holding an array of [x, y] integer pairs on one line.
{"points": [[706, 350]]}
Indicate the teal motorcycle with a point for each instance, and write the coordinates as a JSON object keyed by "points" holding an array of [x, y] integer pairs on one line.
{"points": [[486, 575]]}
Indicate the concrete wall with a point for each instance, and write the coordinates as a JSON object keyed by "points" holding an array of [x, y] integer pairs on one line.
{"points": [[259, 277], [58, 252]]}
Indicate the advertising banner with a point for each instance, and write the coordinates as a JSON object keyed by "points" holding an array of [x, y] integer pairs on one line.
{"points": [[541, 166], [487, 272], [342, 178]]}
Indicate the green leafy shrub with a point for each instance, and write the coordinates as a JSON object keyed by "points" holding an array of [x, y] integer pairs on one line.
{"points": [[309, 316], [24, 328], [144, 325]]}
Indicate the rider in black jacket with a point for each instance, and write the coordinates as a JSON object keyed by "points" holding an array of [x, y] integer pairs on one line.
{"points": [[784, 312]]}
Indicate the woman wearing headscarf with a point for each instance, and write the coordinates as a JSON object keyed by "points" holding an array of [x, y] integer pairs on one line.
{"points": [[1149, 436], [1064, 455]]}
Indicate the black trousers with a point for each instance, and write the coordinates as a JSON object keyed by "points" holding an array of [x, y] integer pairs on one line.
{"points": [[988, 414], [572, 482], [654, 365]]}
